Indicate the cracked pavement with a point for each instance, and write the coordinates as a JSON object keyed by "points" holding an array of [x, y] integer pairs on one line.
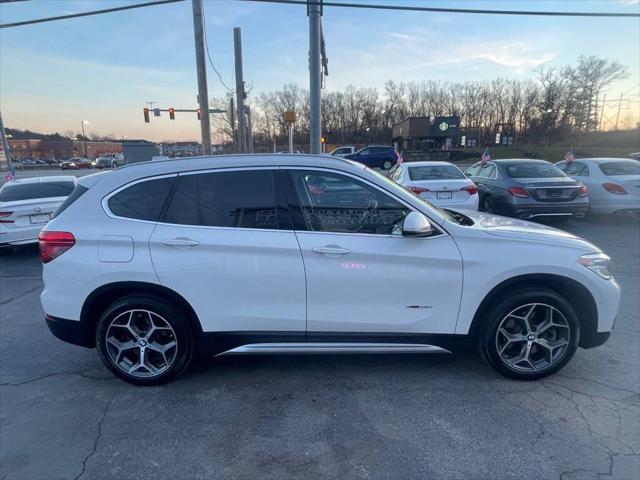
{"points": [[63, 415]]}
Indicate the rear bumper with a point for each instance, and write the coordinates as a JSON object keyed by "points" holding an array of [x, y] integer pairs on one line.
{"points": [[70, 331], [553, 210], [19, 235]]}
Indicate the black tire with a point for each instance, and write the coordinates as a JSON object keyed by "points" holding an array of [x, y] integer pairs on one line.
{"points": [[486, 204], [387, 164], [177, 320], [489, 338]]}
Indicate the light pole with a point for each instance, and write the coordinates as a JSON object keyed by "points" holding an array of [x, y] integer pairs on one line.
{"points": [[84, 138]]}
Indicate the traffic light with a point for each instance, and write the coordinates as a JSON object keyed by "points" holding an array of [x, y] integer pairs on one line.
{"points": [[172, 113], [145, 110], [198, 111]]}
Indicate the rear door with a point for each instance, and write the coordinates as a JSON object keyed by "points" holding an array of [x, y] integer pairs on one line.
{"points": [[363, 276], [225, 243]]}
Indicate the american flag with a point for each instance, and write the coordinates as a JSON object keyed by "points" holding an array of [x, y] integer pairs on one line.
{"points": [[569, 157], [400, 159], [485, 156], [8, 176]]}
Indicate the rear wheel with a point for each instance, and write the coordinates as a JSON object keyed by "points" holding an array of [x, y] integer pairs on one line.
{"points": [[530, 335], [486, 204], [144, 341], [387, 165]]}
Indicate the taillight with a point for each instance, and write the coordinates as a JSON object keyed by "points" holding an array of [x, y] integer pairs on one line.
{"points": [[417, 190], [471, 189], [3, 217], [518, 192], [584, 191], [54, 244], [614, 188]]}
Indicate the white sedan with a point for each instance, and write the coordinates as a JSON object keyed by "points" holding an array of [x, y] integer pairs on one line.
{"points": [[26, 205], [613, 183], [441, 183]]}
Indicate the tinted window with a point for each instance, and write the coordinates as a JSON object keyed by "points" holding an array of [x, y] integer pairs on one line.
{"points": [[28, 191], [76, 194], [488, 171], [534, 170], [336, 203], [244, 199], [435, 172], [575, 169], [620, 168], [143, 200], [472, 171]]}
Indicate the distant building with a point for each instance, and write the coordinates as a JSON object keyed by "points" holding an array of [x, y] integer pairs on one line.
{"points": [[61, 148], [181, 149], [424, 133]]}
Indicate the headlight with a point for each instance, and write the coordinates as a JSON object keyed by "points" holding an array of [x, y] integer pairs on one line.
{"points": [[598, 263]]}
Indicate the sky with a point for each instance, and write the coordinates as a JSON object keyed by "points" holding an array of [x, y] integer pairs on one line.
{"points": [[104, 68]]}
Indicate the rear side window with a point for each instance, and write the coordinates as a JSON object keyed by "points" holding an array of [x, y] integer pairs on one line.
{"points": [[29, 191], [241, 199], [75, 195], [620, 168], [143, 200]]}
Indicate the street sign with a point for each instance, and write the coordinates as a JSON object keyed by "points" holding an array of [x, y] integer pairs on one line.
{"points": [[463, 140], [497, 138], [290, 117], [156, 112]]}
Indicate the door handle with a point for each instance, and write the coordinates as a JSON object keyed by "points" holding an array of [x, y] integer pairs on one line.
{"points": [[180, 242], [331, 250]]}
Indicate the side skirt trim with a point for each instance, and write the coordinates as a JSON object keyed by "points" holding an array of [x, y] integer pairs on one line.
{"points": [[330, 348]]}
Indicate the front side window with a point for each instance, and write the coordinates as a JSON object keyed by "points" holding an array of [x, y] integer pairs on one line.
{"points": [[488, 170], [28, 191], [241, 199], [142, 200], [472, 171], [575, 169], [330, 202]]}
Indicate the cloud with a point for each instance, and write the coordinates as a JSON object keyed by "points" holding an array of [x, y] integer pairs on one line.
{"points": [[629, 2]]}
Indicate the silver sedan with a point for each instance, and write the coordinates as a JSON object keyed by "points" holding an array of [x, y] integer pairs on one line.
{"points": [[613, 183]]}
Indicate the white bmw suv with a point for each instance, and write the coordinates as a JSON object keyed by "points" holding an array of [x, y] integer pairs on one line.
{"points": [[156, 261]]}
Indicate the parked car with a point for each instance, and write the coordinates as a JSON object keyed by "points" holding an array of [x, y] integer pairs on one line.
{"points": [[75, 163], [613, 183], [375, 156], [635, 155], [26, 205], [285, 253], [528, 189], [111, 160], [342, 151], [441, 183], [40, 162], [28, 161]]}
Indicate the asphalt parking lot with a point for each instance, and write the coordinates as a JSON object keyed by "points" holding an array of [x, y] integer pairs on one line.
{"points": [[63, 416]]}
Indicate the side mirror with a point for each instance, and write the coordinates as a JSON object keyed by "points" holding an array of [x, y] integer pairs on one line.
{"points": [[416, 225]]}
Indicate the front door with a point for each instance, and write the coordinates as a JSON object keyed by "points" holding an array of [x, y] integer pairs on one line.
{"points": [[362, 274], [226, 245]]}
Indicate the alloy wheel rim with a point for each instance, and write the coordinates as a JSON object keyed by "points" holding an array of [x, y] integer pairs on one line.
{"points": [[141, 343], [532, 337]]}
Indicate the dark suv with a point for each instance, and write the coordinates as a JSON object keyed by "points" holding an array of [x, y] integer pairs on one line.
{"points": [[375, 156], [528, 189]]}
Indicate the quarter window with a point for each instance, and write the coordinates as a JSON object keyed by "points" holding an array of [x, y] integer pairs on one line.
{"points": [[242, 199], [143, 200], [330, 202]]}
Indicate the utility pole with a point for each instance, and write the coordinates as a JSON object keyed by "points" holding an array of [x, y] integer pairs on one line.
{"points": [[314, 12], [84, 138], [240, 95], [249, 130], [618, 114], [5, 143], [232, 120], [203, 91]]}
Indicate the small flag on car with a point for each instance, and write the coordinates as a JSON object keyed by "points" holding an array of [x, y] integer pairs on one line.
{"points": [[9, 176], [569, 157], [485, 156], [400, 159]]}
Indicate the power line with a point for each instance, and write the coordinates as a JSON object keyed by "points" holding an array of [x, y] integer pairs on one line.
{"points": [[447, 10], [206, 47], [86, 14]]}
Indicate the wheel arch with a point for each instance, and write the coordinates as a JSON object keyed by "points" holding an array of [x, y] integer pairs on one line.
{"points": [[575, 292], [105, 295]]}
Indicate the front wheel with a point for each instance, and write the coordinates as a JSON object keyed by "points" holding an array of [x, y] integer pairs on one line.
{"points": [[144, 340], [530, 335], [387, 165]]}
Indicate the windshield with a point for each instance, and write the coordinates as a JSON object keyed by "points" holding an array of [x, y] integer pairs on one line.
{"points": [[28, 191], [534, 170], [435, 172], [620, 168]]}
